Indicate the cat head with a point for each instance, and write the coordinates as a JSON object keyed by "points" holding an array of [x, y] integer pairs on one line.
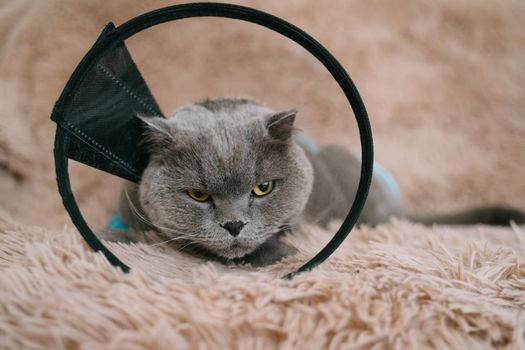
{"points": [[224, 175]]}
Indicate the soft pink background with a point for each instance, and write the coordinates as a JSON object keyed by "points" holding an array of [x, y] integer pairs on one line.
{"points": [[444, 84]]}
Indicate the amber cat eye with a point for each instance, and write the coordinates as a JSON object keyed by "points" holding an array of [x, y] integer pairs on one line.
{"points": [[263, 189], [198, 195]]}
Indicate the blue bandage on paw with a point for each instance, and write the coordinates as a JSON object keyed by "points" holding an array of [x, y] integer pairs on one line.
{"points": [[116, 223], [387, 180], [381, 174]]}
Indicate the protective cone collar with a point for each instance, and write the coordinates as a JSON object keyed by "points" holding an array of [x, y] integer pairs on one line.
{"points": [[96, 123]]}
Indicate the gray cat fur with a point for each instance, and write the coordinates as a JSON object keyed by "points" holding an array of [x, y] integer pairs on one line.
{"points": [[226, 147]]}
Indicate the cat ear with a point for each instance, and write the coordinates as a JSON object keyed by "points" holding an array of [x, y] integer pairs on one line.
{"points": [[280, 125], [157, 133]]}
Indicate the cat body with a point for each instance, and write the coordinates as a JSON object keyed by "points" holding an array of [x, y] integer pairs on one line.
{"points": [[226, 177]]}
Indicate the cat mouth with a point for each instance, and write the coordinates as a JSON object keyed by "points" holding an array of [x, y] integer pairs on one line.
{"points": [[236, 250], [233, 250]]}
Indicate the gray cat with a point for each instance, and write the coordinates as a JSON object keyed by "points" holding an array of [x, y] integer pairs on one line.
{"points": [[228, 176]]}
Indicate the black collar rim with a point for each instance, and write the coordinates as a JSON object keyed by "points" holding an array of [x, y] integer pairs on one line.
{"points": [[111, 35]]}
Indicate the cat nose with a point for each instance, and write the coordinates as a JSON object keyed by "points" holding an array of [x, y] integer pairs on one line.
{"points": [[234, 227]]}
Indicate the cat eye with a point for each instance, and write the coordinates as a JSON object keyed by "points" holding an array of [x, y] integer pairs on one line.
{"points": [[263, 189], [198, 195]]}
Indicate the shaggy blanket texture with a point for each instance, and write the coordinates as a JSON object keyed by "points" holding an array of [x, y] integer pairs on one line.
{"points": [[443, 83], [400, 285]]}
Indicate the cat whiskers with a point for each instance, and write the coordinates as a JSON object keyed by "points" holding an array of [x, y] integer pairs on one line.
{"points": [[285, 227], [171, 240], [182, 237], [276, 228], [187, 245], [136, 212], [142, 217]]}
